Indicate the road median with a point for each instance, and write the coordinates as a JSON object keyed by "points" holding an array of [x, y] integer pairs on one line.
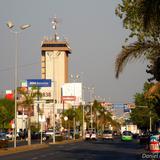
{"points": [[7, 151]]}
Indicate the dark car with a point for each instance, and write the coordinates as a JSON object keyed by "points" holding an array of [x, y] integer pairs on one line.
{"points": [[37, 135], [144, 138], [34, 135]]}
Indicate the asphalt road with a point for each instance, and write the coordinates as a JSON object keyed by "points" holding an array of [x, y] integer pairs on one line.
{"points": [[85, 150]]}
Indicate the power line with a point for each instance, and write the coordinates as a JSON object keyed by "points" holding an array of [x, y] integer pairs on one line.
{"points": [[20, 66]]}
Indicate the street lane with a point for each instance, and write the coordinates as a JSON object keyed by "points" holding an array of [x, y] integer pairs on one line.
{"points": [[87, 150]]}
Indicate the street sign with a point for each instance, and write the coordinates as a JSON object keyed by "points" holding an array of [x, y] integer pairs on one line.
{"points": [[39, 82]]}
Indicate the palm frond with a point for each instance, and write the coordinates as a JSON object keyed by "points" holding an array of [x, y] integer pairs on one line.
{"points": [[134, 51]]}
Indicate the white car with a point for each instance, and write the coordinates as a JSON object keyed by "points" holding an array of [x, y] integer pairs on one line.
{"points": [[10, 135], [107, 134], [93, 135], [50, 133], [87, 135]]}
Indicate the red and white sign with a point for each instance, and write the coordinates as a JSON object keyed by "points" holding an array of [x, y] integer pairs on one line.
{"points": [[68, 98], [72, 91], [9, 95]]}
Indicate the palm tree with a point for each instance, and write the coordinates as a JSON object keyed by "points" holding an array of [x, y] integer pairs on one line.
{"points": [[6, 112], [27, 101], [153, 94], [149, 13], [101, 117], [136, 50], [142, 18], [70, 113]]}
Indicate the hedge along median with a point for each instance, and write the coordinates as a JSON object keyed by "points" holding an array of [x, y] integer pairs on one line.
{"points": [[4, 151]]}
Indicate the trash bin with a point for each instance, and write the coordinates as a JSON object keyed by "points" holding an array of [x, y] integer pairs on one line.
{"points": [[154, 144]]}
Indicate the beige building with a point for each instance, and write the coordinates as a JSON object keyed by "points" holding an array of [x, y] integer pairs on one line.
{"points": [[54, 64]]}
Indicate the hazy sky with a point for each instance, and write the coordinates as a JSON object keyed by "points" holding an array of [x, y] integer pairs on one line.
{"points": [[95, 35]]}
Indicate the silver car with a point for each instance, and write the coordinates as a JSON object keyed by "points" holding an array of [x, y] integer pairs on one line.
{"points": [[107, 134], [3, 136]]}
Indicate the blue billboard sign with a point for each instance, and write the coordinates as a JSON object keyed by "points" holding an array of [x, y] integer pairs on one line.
{"points": [[39, 82]]}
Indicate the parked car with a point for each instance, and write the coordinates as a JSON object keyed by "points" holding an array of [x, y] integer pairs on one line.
{"points": [[37, 135], [10, 135], [144, 138], [87, 135], [67, 135], [107, 134], [93, 135], [3, 136], [50, 133], [3, 140], [127, 136]]}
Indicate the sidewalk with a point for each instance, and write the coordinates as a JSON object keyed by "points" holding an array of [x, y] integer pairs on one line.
{"points": [[6, 151]]}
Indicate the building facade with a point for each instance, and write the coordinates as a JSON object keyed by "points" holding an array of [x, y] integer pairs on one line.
{"points": [[54, 64]]}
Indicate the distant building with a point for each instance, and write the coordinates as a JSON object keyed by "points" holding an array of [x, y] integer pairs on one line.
{"points": [[54, 66], [54, 63]]}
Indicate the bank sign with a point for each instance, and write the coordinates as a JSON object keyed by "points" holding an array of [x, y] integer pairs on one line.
{"points": [[39, 82]]}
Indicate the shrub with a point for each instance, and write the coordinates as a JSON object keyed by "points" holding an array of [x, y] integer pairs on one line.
{"points": [[3, 143], [58, 138]]}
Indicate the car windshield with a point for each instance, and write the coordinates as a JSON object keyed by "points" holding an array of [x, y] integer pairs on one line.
{"points": [[127, 133], [87, 132], [107, 132]]}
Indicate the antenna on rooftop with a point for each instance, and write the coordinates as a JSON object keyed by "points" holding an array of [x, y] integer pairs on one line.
{"points": [[55, 22]]}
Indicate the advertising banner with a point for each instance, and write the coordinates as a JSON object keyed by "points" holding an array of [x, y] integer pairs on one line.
{"points": [[39, 82], [72, 90]]}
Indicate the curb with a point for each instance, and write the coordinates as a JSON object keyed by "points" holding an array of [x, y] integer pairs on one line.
{"points": [[7, 151]]}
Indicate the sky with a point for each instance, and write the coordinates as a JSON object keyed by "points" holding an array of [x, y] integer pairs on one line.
{"points": [[95, 35]]}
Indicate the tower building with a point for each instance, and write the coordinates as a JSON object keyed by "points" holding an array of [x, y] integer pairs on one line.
{"points": [[54, 61]]}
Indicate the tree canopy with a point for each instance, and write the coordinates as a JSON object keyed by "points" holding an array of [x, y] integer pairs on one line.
{"points": [[145, 108], [141, 18], [6, 112]]}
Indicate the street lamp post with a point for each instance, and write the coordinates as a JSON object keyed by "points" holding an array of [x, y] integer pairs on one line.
{"points": [[53, 115], [10, 25], [74, 120], [54, 128], [90, 97], [83, 114], [65, 119]]}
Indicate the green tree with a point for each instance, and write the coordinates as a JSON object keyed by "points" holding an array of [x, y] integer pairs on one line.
{"points": [[27, 101], [154, 95], [6, 112], [140, 116], [70, 113], [140, 17], [79, 116], [145, 108], [101, 117]]}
